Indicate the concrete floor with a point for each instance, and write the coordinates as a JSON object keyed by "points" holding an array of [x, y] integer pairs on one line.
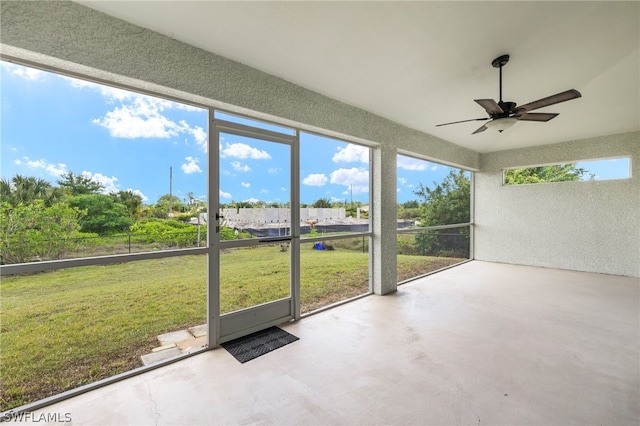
{"points": [[480, 343]]}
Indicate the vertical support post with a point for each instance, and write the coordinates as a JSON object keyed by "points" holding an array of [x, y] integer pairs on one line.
{"points": [[472, 214], [383, 216]]}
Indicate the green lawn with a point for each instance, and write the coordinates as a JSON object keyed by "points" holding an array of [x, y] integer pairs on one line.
{"points": [[66, 328]]}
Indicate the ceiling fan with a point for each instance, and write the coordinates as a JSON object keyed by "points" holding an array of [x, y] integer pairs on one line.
{"points": [[505, 114]]}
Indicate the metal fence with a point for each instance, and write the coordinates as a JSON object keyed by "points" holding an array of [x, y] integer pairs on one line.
{"points": [[91, 246]]}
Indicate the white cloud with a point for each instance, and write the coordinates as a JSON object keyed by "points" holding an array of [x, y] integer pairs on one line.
{"points": [[251, 200], [273, 170], [140, 119], [139, 193], [242, 151], [245, 184], [351, 153], [55, 170], [225, 195], [315, 179], [109, 183], [26, 73], [402, 181], [240, 167], [264, 191], [409, 163], [141, 116], [337, 200], [191, 166], [200, 136], [355, 179], [282, 188]]}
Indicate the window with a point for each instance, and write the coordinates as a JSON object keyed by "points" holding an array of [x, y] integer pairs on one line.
{"points": [[334, 220], [90, 172], [434, 211], [603, 169]]}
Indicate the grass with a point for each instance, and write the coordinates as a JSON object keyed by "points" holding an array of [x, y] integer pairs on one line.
{"points": [[70, 327], [66, 328]]}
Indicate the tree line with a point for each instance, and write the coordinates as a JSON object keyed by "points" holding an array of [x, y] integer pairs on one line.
{"points": [[41, 221]]}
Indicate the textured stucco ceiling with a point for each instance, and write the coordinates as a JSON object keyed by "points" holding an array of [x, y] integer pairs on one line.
{"points": [[423, 63]]}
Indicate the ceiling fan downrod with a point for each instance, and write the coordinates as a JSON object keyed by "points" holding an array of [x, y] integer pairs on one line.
{"points": [[499, 62]]}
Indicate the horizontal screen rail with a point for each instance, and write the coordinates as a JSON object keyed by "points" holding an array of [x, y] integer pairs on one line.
{"points": [[48, 265], [433, 228]]}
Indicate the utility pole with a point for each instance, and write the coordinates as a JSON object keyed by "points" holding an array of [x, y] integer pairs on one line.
{"points": [[170, 214], [351, 188]]}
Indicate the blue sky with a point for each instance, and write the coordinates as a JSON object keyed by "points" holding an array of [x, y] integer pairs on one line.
{"points": [[52, 124]]}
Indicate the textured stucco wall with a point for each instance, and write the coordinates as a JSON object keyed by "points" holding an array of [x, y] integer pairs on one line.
{"points": [[586, 226]]}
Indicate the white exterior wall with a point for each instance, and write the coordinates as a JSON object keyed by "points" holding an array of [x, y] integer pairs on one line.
{"points": [[586, 226], [281, 215]]}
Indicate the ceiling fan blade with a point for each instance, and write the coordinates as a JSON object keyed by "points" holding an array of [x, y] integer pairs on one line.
{"points": [[463, 121], [489, 105], [480, 129], [537, 116], [549, 100]]}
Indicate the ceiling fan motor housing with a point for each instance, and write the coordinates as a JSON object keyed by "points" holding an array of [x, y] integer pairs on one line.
{"points": [[507, 107]]}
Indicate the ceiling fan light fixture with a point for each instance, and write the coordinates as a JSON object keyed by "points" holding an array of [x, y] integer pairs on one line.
{"points": [[501, 124]]}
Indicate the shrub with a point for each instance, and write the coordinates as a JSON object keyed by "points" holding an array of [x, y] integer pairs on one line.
{"points": [[167, 232], [34, 232]]}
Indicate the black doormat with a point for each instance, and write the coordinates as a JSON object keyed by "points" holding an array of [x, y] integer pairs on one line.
{"points": [[259, 343]]}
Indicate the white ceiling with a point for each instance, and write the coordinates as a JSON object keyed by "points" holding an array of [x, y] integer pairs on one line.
{"points": [[423, 63]]}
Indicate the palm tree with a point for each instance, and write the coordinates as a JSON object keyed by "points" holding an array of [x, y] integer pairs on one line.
{"points": [[133, 202], [24, 190]]}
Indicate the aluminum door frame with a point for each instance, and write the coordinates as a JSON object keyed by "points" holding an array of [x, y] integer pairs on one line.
{"points": [[225, 327]]}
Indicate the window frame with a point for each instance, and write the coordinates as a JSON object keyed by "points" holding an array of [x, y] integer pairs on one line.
{"points": [[570, 162]]}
